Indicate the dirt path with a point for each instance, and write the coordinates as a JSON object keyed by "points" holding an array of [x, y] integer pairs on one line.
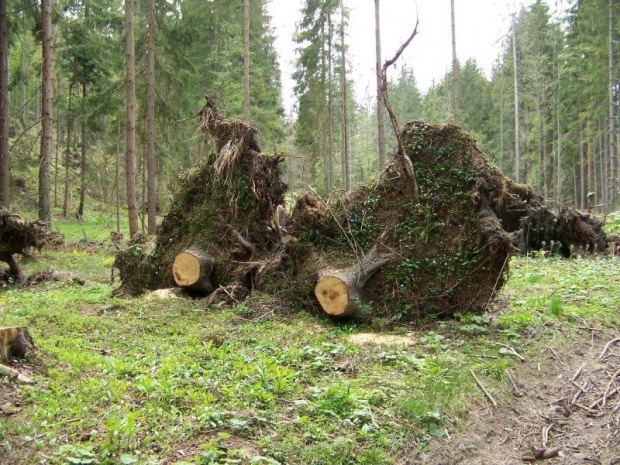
{"points": [[568, 404]]}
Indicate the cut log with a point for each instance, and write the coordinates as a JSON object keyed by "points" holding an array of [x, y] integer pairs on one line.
{"points": [[339, 292], [15, 341], [193, 270]]}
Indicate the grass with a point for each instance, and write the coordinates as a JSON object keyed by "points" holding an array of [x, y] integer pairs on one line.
{"points": [[612, 225], [137, 381]]}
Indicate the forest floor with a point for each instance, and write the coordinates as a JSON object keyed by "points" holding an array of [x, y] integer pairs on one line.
{"points": [[172, 381]]}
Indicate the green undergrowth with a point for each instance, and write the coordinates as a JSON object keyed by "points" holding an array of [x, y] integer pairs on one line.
{"points": [[98, 221], [612, 223], [145, 381]]}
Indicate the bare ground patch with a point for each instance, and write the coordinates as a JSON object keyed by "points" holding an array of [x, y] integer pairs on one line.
{"points": [[568, 404]]}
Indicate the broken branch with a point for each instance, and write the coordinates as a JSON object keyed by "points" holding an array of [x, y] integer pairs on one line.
{"points": [[608, 346], [483, 389]]}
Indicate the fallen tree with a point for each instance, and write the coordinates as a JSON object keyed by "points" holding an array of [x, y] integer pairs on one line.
{"points": [[17, 237], [225, 215], [384, 249]]}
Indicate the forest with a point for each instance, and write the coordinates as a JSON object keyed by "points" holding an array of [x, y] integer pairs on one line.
{"points": [[197, 274]]}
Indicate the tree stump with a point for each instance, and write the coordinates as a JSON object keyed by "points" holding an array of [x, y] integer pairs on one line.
{"points": [[193, 270], [15, 341]]}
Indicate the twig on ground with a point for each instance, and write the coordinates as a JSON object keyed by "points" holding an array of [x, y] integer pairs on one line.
{"points": [[611, 381], [33, 438], [513, 351], [100, 350], [545, 434], [581, 390], [541, 454], [603, 399], [608, 346], [229, 294], [557, 401], [372, 417], [483, 389], [578, 372], [588, 410], [557, 357], [515, 389]]}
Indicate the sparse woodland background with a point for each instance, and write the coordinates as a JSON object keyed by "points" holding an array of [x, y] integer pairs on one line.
{"points": [[547, 116]]}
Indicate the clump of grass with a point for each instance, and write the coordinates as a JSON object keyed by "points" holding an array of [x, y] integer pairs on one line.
{"points": [[555, 306], [534, 279]]}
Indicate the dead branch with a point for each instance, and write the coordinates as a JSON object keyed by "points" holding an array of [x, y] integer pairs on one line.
{"points": [[608, 346], [578, 372], [241, 240], [405, 162], [483, 389], [545, 434], [601, 401], [541, 454], [512, 351], [607, 391]]}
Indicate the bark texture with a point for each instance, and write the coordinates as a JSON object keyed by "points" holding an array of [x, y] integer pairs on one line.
{"points": [[45, 158], [380, 117], [150, 125], [130, 97], [15, 341], [4, 109]]}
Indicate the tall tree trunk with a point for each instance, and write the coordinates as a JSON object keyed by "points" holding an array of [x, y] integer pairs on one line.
{"points": [[80, 211], [130, 96], [455, 70], [544, 161], [345, 133], [24, 75], [591, 191], [583, 175], [150, 125], [501, 127], [516, 91], [324, 161], [59, 139], [45, 159], [330, 105], [65, 203], [602, 167], [5, 175], [613, 149], [143, 194], [246, 59], [117, 184], [559, 149], [380, 120], [83, 165]]}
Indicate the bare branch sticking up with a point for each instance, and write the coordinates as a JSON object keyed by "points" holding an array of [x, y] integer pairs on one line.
{"points": [[401, 156]]}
